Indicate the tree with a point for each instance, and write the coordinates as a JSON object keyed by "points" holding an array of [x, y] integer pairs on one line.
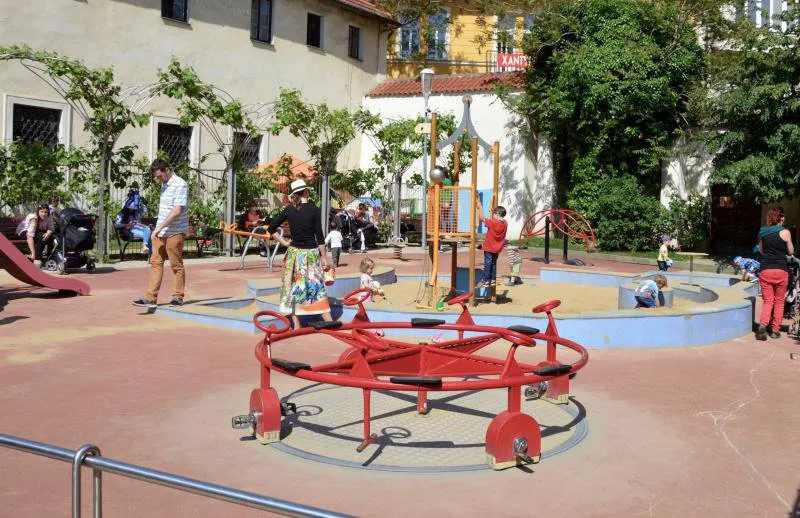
{"points": [[754, 125], [608, 86], [215, 109], [324, 131], [98, 100]]}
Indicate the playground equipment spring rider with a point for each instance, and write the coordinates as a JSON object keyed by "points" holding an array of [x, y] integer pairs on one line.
{"points": [[374, 361], [569, 223], [443, 203]]}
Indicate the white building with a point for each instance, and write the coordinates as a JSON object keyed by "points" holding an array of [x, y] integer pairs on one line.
{"points": [[525, 184]]}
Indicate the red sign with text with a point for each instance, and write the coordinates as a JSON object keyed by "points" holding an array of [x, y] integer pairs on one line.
{"points": [[512, 60]]}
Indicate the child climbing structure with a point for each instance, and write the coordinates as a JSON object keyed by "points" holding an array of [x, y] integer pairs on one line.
{"points": [[445, 203]]}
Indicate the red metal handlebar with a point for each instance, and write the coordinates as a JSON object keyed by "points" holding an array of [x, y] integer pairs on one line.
{"points": [[353, 298], [461, 299], [545, 307], [271, 328]]}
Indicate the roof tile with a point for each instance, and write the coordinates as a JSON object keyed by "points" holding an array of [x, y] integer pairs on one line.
{"points": [[449, 84]]}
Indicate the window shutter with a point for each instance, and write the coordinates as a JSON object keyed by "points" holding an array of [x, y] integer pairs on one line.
{"points": [[254, 17]]}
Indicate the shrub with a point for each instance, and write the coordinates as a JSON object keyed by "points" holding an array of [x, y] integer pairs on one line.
{"points": [[627, 218], [689, 219]]}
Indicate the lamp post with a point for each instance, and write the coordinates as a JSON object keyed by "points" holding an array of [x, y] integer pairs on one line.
{"points": [[426, 77]]}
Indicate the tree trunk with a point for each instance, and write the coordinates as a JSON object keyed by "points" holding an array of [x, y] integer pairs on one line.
{"points": [[101, 211]]}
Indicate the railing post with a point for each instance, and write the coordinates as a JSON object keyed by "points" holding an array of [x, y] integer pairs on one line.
{"points": [[77, 462]]}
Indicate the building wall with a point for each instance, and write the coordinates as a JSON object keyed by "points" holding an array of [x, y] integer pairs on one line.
{"points": [[133, 38], [526, 183], [464, 54]]}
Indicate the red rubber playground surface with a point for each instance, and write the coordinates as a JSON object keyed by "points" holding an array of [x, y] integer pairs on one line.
{"points": [[704, 431]]}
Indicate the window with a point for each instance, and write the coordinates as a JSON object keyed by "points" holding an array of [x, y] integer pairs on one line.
{"points": [[261, 20], [506, 34], [247, 151], [763, 12], [314, 31], [409, 39], [354, 43], [175, 141], [36, 124], [436, 40], [175, 10]]}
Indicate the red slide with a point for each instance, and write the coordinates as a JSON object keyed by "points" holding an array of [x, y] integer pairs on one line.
{"points": [[15, 263]]}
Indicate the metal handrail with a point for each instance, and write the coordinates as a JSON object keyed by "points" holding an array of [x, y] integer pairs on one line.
{"points": [[89, 456]]}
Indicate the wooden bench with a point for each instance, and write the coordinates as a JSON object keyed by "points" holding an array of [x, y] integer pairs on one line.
{"points": [[8, 227]]}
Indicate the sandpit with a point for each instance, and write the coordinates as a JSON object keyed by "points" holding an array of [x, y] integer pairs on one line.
{"points": [[576, 299]]}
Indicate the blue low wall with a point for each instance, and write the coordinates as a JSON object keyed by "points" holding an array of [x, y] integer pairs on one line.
{"points": [[721, 318]]}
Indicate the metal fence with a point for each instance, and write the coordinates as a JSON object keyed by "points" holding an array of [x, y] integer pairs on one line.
{"points": [[89, 455]]}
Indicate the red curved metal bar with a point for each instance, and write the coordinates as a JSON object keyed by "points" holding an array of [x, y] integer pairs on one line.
{"points": [[567, 222], [492, 365], [271, 328]]}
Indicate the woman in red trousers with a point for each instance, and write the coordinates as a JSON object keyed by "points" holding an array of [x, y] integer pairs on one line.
{"points": [[776, 243]]}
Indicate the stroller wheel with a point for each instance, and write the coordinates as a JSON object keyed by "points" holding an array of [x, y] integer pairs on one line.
{"points": [[90, 266], [50, 265], [61, 266]]}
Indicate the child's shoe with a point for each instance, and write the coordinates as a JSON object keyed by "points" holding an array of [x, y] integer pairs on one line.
{"points": [[145, 250], [761, 334]]}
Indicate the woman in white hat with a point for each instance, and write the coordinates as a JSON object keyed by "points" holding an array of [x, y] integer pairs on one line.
{"points": [[303, 289]]}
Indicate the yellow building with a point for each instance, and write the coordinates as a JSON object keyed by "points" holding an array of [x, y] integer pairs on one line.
{"points": [[455, 42]]}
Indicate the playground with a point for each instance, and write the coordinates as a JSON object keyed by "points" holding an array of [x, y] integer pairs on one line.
{"points": [[656, 442]]}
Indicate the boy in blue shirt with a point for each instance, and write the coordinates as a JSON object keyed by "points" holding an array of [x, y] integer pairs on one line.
{"points": [[647, 292], [749, 267]]}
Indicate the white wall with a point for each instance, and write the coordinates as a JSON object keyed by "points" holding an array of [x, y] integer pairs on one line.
{"points": [[687, 170], [526, 181]]}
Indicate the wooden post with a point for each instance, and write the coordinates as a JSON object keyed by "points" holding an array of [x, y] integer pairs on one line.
{"points": [[496, 185], [472, 223], [434, 281]]}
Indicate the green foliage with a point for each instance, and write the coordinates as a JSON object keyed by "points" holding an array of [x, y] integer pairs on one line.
{"points": [[30, 174], [250, 186], [324, 131], [608, 87], [628, 219], [355, 182], [689, 219], [758, 152]]}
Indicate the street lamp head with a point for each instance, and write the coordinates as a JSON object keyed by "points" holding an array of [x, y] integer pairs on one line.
{"points": [[426, 77]]}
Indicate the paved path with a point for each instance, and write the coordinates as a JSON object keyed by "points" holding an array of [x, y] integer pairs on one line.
{"points": [[707, 431]]}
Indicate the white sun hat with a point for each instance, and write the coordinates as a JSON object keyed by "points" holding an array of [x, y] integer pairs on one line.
{"points": [[297, 186]]}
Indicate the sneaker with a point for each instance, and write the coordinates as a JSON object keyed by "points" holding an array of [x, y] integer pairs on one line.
{"points": [[176, 302], [145, 250], [761, 334], [144, 303], [775, 334]]}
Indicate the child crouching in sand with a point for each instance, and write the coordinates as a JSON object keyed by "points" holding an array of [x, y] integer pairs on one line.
{"points": [[647, 292]]}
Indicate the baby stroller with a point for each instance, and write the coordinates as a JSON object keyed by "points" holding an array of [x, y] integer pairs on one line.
{"points": [[346, 224], [791, 307], [74, 238]]}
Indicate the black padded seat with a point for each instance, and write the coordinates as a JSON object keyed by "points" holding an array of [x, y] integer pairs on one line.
{"points": [[552, 370], [322, 324], [426, 322], [525, 330], [416, 380], [289, 365]]}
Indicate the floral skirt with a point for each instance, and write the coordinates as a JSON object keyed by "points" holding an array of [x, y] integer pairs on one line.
{"points": [[303, 288]]}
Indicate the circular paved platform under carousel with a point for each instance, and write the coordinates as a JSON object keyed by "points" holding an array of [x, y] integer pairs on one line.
{"points": [[328, 426]]}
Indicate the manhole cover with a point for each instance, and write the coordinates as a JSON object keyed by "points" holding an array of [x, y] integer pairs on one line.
{"points": [[329, 425]]}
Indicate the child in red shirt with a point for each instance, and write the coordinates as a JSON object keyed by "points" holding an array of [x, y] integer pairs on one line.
{"points": [[496, 228]]}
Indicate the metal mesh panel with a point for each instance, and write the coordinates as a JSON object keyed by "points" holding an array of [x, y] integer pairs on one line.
{"points": [[452, 200], [36, 124], [247, 151], [175, 141]]}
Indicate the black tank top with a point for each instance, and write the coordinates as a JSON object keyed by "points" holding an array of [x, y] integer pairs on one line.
{"points": [[774, 253]]}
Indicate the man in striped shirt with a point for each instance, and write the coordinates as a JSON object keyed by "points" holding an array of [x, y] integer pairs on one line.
{"points": [[169, 234]]}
